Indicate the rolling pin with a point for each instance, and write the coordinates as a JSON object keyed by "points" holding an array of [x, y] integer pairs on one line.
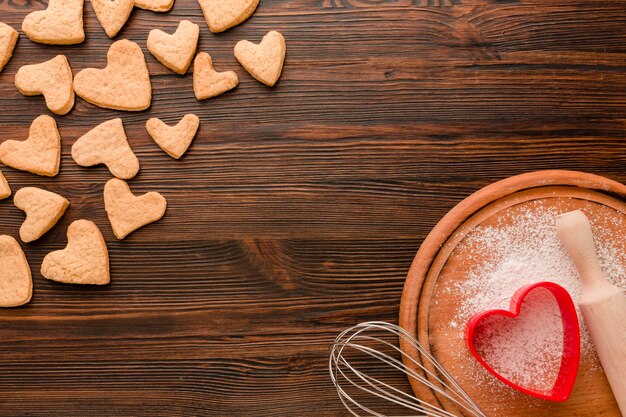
{"points": [[602, 305]]}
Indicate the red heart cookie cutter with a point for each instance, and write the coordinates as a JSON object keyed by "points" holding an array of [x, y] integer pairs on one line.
{"points": [[571, 340]]}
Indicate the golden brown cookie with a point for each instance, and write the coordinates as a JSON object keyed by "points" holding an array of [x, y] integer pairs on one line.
{"points": [[174, 140], [263, 61], [53, 79], [155, 5], [16, 283], [60, 24], [43, 210], [107, 144], [123, 85], [8, 39], [224, 14], [85, 259], [175, 51], [112, 14], [40, 153], [5, 189], [128, 212], [209, 83]]}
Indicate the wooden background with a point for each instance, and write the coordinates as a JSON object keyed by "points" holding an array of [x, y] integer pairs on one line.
{"points": [[298, 209]]}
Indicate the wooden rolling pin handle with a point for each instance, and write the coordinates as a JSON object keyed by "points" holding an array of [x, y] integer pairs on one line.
{"points": [[603, 305], [574, 231]]}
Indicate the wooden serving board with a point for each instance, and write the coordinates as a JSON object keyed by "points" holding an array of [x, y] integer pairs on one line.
{"points": [[431, 298]]}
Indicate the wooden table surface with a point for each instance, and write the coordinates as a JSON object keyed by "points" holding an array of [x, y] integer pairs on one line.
{"points": [[298, 209]]}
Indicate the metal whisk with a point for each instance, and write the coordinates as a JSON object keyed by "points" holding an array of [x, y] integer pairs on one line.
{"points": [[356, 346]]}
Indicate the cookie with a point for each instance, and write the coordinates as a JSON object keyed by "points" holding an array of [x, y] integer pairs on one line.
{"points": [[128, 212], [85, 259], [175, 51], [53, 79], [5, 189], [265, 60], [43, 210], [224, 14], [60, 24], [155, 5], [209, 83], [16, 283], [174, 140], [8, 39], [112, 14], [107, 144], [123, 85], [40, 153]]}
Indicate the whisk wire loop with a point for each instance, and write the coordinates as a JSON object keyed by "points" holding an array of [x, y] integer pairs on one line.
{"points": [[349, 381], [394, 363]]}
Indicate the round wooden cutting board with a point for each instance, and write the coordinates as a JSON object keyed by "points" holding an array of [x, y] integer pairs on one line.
{"points": [[432, 299]]}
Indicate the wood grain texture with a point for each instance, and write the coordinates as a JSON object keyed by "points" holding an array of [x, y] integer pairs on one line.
{"points": [[298, 209]]}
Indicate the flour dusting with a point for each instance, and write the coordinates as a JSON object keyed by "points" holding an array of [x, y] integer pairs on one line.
{"points": [[524, 252], [518, 349]]}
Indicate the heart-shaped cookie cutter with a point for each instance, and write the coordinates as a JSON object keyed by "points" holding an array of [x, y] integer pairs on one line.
{"points": [[571, 340]]}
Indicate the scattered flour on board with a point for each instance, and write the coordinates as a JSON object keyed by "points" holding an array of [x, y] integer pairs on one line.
{"points": [[524, 252]]}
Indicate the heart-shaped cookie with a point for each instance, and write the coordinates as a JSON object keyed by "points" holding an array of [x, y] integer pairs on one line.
{"points": [[107, 144], [123, 85], [8, 39], [16, 284], [534, 346], [224, 14], [174, 140], [265, 60], [85, 259], [128, 212], [112, 14], [5, 189], [209, 83], [155, 5], [60, 24], [43, 210], [40, 153], [53, 79], [175, 51]]}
